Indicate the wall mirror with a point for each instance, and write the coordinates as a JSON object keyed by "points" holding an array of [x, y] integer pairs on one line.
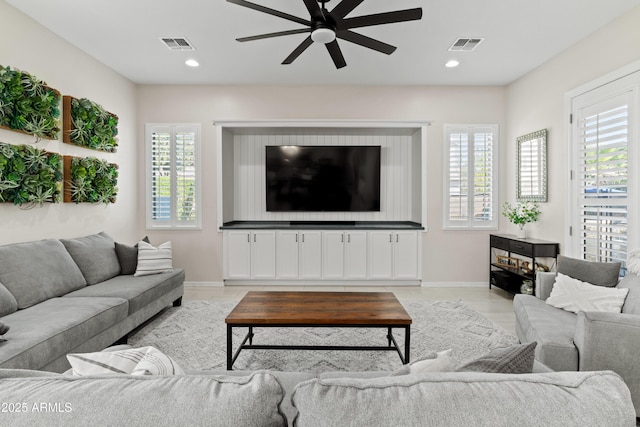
{"points": [[531, 182]]}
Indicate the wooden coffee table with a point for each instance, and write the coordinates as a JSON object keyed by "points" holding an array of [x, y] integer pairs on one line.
{"points": [[318, 309]]}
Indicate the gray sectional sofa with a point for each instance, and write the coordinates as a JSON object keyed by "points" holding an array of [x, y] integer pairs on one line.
{"points": [[301, 399], [69, 296], [586, 341]]}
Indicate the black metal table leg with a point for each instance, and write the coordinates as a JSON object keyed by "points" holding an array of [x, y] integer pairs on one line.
{"points": [[229, 347], [407, 343]]}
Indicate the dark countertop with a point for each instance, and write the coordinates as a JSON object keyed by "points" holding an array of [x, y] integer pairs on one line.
{"points": [[321, 225]]}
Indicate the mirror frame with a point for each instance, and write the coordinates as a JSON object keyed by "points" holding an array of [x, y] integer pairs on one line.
{"points": [[541, 136]]}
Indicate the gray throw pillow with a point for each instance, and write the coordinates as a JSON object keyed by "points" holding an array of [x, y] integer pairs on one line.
{"points": [[517, 359], [95, 255], [128, 257], [8, 303], [596, 273]]}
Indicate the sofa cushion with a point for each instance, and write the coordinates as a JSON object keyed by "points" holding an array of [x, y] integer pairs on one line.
{"points": [[516, 359], [466, 399], [47, 330], [632, 302], [553, 329], [139, 291], [36, 271], [95, 255], [248, 401], [128, 256], [8, 303], [597, 273], [575, 295]]}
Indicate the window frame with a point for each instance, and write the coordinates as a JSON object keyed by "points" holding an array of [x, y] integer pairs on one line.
{"points": [[173, 223], [471, 223]]}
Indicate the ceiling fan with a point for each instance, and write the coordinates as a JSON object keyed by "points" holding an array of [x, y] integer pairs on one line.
{"points": [[326, 27]]}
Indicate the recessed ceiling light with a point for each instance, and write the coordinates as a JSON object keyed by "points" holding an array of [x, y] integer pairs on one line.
{"points": [[192, 63], [452, 63]]}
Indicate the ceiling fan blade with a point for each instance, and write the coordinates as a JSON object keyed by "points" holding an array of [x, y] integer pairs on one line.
{"points": [[271, 11], [344, 8], [270, 35], [336, 54], [382, 18], [366, 41], [314, 9], [297, 51]]}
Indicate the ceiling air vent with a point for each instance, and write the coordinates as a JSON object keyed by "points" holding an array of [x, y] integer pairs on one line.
{"points": [[465, 45], [177, 43]]}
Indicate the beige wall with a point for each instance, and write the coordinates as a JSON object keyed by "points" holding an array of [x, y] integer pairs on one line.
{"points": [[448, 256], [536, 101], [533, 102], [26, 45]]}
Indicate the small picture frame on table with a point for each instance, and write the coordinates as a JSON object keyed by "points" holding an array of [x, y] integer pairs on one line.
{"points": [[509, 262]]}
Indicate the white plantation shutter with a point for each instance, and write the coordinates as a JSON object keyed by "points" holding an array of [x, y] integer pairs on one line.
{"points": [[470, 176], [602, 179], [605, 157], [173, 176]]}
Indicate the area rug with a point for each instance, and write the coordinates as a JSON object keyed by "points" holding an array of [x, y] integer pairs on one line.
{"points": [[195, 336]]}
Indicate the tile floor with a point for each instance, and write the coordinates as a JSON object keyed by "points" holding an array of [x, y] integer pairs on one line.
{"points": [[495, 304]]}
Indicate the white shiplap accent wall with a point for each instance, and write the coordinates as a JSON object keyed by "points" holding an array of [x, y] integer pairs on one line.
{"points": [[395, 178]]}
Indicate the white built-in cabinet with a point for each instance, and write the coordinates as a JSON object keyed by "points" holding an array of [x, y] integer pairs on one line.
{"points": [[322, 255], [392, 254], [299, 254], [250, 254]]}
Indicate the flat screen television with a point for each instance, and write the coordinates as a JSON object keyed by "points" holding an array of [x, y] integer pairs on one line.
{"points": [[323, 178]]}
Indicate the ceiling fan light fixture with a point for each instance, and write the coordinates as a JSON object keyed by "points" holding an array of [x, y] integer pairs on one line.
{"points": [[323, 35]]}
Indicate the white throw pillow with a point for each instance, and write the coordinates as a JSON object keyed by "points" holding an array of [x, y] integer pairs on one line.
{"points": [[633, 261], [438, 362], [152, 260], [575, 295], [133, 361]]}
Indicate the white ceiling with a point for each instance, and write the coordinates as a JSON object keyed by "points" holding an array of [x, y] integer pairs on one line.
{"points": [[519, 36]]}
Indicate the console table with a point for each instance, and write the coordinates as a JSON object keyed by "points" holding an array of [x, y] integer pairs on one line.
{"points": [[506, 271]]}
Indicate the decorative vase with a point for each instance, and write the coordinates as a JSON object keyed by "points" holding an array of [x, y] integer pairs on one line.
{"points": [[522, 233]]}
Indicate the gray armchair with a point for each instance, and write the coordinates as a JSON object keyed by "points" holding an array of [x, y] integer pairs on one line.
{"points": [[588, 341]]}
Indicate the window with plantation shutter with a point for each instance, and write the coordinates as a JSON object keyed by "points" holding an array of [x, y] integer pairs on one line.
{"points": [[604, 140], [470, 176], [173, 184]]}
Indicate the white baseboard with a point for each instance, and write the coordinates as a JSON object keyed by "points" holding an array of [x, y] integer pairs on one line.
{"points": [[455, 284], [327, 283], [204, 284]]}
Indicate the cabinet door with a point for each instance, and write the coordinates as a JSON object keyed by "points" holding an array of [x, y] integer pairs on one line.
{"points": [[310, 254], [263, 255], [333, 254], [380, 254], [238, 255], [287, 255], [356, 255], [405, 255]]}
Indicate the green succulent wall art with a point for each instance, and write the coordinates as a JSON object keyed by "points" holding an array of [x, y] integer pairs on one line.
{"points": [[29, 176], [90, 180], [28, 105], [87, 124]]}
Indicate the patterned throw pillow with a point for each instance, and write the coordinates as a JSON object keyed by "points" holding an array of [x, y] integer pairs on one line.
{"points": [[575, 295], [133, 361], [517, 359], [152, 260]]}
